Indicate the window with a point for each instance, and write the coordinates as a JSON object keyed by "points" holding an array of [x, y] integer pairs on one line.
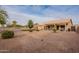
{"points": [[66, 23]]}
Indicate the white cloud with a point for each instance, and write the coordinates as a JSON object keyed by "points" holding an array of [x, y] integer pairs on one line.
{"points": [[22, 18]]}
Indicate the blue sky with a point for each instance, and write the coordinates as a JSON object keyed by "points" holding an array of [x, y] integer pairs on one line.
{"points": [[41, 13]]}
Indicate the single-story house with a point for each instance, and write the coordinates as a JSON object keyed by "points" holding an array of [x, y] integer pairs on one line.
{"points": [[61, 24]]}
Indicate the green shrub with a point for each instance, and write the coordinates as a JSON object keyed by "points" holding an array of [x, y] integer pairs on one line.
{"points": [[25, 30], [30, 24], [54, 30], [7, 34], [30, 30]]}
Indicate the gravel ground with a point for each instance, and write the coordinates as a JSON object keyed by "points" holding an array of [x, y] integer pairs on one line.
{"points": [[41, 42]]}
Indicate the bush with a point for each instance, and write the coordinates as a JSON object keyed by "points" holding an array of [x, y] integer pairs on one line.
{"points": [[25, 29], [7, 34], [30, 30], [54, 30]]}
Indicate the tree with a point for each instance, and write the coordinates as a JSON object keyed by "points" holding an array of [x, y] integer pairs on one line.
{"points": [[30, 24], [3, 17], [14, 23]]}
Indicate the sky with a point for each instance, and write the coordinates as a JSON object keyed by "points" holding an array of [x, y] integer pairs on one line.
{"points": [[41, 13]]}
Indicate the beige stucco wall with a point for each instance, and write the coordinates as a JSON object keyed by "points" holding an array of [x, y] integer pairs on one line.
{"points": [[41, 27]]}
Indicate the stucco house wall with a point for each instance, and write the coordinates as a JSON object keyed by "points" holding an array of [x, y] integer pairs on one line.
{"points": [[65, 22]]}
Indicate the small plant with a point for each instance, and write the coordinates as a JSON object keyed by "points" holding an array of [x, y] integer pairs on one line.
{"points": [[7, 34], [25, 30], [55, 29]]}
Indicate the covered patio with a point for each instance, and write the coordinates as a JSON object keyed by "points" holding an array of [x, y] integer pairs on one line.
{"points": [[51, 26]]}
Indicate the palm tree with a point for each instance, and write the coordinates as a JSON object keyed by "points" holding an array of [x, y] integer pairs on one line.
{"points": [[3, 17]]}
